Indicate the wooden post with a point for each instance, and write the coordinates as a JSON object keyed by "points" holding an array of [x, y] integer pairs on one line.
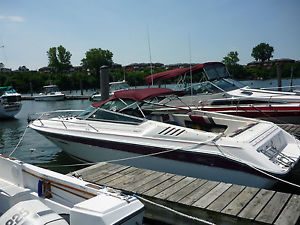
{"points": [[291, 83], [104, 82], [30, 85], [279, 76], [80, 84]]}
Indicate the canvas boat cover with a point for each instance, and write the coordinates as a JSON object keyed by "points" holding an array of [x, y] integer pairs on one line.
{"points": [[176, 72]]}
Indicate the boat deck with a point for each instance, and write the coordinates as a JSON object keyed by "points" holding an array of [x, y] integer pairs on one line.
{"points": [[217, 202]]}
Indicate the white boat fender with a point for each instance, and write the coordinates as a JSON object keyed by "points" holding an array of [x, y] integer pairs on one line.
{"points": [[31, 212]]}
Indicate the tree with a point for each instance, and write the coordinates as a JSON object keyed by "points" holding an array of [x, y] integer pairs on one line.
{"points": [[59, 58], [95, 58], [23, 68], [262, 52], [231, 59], [1, 65]]}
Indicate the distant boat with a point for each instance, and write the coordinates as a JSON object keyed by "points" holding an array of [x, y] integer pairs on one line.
{"points": [[33, 195], [10, 102], [113, 86], [51, 93]]}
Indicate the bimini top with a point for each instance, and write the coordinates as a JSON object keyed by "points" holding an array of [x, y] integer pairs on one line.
{"points": [[139, 94], [177, 72]]}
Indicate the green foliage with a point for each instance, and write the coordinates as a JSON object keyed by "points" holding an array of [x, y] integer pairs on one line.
{"points": [[95, 58], [231, 58], [262, 52], [59, 58]]}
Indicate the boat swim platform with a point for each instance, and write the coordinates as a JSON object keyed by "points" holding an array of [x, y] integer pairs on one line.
{"points": [[217, 202]]}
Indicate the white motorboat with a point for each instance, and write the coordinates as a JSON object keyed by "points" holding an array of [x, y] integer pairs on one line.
{"points": [[51, 93], [217, 85], [113, 87], [10, 102], [280, 113], [199, 144], [33, 195]]}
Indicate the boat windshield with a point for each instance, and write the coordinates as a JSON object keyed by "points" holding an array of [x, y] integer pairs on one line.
{"points": [[215, 71], [226, 84], [204, 88], [115, 117], [117, 87], [86, 112], [50, 89]]}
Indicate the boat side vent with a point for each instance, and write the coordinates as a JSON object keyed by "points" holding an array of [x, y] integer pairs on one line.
{"points": [[171, 131]]}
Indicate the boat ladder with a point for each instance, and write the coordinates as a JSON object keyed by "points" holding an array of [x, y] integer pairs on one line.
{"points": [[278, 157]]}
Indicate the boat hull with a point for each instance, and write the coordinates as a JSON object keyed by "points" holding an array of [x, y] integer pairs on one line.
{"points": [[185, 163], [9, 110], [49, 97]]}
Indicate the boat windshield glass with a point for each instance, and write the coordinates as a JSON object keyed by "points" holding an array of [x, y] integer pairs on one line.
{"points": [[86, 112], [117, 87], [115, 117], [204, 88], [50, 89], [225, 84], [215, 71]]}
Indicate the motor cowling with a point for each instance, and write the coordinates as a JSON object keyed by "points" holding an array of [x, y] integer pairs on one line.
{"points": [[31, 212]]}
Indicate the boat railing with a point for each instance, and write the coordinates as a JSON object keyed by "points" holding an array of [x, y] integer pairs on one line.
{"points": [[52, 114], [60, 114]]}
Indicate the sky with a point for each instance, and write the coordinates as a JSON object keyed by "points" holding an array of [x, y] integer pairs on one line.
{"points": [[140, 31]]}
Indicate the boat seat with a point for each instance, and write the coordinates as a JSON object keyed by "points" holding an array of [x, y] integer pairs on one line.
{"points": [[11, 194]]}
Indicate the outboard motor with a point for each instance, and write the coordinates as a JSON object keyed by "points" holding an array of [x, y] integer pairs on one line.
{"points": [[31, 212]]}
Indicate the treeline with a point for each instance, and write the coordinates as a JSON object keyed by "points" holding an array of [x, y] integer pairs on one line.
{"points": [[240, 72], [24, 82]]}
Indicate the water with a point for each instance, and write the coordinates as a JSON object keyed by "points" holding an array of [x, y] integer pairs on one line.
{"points": [[35, 148]]}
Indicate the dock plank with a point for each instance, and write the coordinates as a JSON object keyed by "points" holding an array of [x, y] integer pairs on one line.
{"points": [[154, 183], [173, 189], [256, 204], [219, 204], [114, 176], [186, 190], [117, 183], [164, 185], [273, 208], [198, 193], [240, 201], [132, 178], [291, 212], [207, 199], [134, 186], [105, 172]]}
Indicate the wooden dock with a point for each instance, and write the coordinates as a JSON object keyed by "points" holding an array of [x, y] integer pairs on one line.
{"points": [[217, 202]]}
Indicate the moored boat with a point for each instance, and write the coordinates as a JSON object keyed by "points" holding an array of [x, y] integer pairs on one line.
{"points": [[200, 144], [33, 195], [10, 102], [113, 87], [217, 83], [51, 93]]}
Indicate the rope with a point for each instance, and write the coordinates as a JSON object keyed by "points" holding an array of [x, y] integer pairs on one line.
{"points": [[21, 139], [174, 211]]}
